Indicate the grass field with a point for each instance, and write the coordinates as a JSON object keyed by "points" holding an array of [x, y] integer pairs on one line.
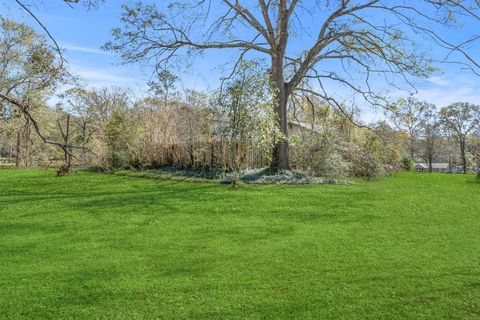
{"points": [[113, 246]]}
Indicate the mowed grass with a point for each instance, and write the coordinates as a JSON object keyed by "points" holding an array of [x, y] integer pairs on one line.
{"points": [[113, 246]]}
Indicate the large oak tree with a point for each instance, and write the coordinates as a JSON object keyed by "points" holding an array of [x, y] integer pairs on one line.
{"points": [[351, 43], [367, 40]]}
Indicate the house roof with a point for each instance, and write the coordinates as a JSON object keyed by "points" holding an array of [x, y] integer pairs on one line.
{"points": [[435, 165], [304, 125], [440, 165], [421, 165]]}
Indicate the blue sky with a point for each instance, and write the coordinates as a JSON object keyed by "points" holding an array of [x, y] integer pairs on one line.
{"points": [[81, 33]]}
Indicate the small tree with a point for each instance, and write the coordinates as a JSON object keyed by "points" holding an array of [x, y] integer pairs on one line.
{"points": [[164, 85], [119, 135], [247, 102], [431, 140], [65, 132], [77, 102], [461, 119], [407, 164]]}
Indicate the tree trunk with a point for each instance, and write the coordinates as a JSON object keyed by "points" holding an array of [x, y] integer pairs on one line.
{"points": [[67, 151], [18, 150], [27, 141], [192, 156], [430, 169], [464, 157], [280, 156], [412, 150], [84, 143]]}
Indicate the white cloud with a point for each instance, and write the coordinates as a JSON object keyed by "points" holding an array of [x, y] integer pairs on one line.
{"points": [[75, 48], [98, 78], [102, 75], [439, 81], [442, 97], [445, 90]]}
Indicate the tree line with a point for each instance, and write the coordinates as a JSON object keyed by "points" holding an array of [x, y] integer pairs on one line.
{"points": [[445, 134], [347, 46], [233, 128]]}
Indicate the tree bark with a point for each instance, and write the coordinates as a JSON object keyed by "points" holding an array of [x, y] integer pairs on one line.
{"points": [[192, 156], [27, 141], [18, 150], [464, 157], [67, 156], [280, 156]]}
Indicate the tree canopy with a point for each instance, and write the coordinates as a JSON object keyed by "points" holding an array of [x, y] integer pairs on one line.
{"points": [[348, 32]]}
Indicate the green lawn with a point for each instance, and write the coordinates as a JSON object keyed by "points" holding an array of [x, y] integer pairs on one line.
{"points": [[110, 246]]}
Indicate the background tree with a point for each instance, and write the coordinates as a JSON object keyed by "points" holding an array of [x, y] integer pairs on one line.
{"points": [[345, 31], [77, 102], [197, 125], [409, 115], [29, 72], [119, 134], [164, 85], [461, 119], [431, 139], [475, 147], [102, 104], [64, 127]]}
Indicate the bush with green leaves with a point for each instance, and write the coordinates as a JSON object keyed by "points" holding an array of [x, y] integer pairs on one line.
{"points": [[363, 162], [407, 164], [119, 136], [320, 154], [246, 102]]}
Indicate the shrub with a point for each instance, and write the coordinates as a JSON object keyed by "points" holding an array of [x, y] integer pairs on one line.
{"points": [[407, 164], [320, 154], [119, 136], [364, 163]]}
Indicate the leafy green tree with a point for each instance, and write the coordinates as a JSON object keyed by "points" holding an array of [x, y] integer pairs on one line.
{"points": [[409, 115], [407, 164], [28, 67], [431, 140], [461, 119], [246, 100], [29, 72], [101, 106], [474, 147], [119, 134]]}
